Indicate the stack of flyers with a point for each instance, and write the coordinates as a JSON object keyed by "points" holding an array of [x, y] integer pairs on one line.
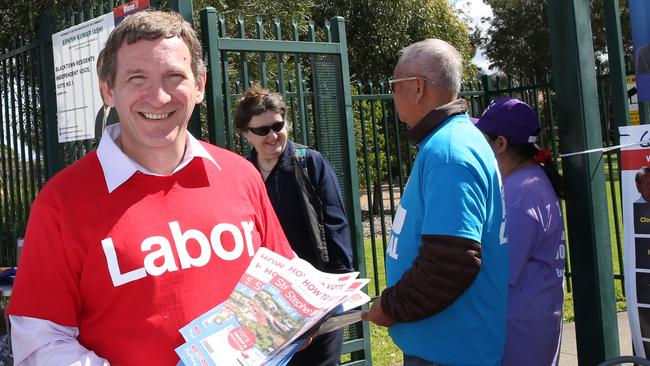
{"points": [[275, 305]]}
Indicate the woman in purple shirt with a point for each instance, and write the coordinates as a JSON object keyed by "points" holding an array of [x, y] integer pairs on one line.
{"points": [[532, 189]]}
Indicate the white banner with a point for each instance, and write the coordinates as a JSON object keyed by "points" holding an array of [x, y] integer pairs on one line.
{"points": [[635, 154], [77, 88]]}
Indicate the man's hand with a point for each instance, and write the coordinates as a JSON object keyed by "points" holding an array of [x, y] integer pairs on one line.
{"points": [[376, 315]]}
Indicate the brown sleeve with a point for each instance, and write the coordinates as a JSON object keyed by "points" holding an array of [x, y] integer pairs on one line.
{"points": [[445, 267]]}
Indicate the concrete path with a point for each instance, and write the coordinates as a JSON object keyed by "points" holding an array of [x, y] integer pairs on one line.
{"points": [[569, 353]]}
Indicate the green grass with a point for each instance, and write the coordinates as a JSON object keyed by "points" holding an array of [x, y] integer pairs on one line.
{"points": [[568, 313], [384, 351]]}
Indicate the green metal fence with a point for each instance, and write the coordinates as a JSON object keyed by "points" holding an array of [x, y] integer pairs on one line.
{"points": [[384, 157], [355, 126], [22, 171]]}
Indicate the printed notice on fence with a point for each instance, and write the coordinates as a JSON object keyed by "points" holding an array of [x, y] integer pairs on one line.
{"points": [[635, 193], [77, 88]]}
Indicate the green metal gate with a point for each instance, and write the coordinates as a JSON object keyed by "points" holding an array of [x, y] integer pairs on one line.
{"points": [[314, 80]]}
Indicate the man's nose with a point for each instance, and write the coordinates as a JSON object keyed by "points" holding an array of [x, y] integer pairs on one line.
{"points": [[158, 95]]}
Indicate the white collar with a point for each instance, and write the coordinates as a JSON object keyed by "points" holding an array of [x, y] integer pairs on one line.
{"points": [[118, 167]]}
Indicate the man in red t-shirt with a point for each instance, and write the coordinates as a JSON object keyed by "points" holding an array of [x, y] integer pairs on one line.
{"points": [[149, 231]]}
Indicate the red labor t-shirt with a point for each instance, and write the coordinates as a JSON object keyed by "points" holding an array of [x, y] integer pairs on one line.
{"points": [[130, 267]]}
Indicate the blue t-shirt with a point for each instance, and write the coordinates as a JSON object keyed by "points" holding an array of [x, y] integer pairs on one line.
{"points": [[455, 189]]}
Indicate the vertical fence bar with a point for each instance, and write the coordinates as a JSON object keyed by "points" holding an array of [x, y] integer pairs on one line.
{"points": [[595, 307], [262, 55], [280, 58], [14, 177], [291, 99], [33, 132], [369, 192], [351, 180], [387, 142], [37, 115], [24, 196], [396, 127], [53, 159], [379, 194], [225, 62], [243, 56], [214, 87], [5, 160], [300, 92]]}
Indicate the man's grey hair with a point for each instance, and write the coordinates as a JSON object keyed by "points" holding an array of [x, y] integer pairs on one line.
{"points": [[436, 60], [640, 173]]}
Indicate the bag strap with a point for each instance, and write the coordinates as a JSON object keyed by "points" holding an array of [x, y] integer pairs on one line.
{"points": [[301, 156], [312, 207]]}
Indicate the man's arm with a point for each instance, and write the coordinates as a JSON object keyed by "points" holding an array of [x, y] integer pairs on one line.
{"points": [[455, 212], [41, 342], [445, 267]]}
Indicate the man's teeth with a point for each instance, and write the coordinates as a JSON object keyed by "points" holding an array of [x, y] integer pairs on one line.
{"points": [[156, 116]]}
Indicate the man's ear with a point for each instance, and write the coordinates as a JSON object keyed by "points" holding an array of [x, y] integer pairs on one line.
{"points": [[419, 89], [106, 92], [200, 87]]}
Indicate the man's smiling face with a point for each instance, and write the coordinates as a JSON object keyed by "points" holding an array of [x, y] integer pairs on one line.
{"points": [[154, 93]]}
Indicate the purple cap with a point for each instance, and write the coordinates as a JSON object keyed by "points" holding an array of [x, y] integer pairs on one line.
{"points": [[511, 118]]}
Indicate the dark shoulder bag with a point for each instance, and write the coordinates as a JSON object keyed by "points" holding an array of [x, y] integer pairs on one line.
{"points": [[312, 207]]}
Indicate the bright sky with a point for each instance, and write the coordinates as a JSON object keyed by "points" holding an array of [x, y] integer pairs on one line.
{"points": [[475, 9]]}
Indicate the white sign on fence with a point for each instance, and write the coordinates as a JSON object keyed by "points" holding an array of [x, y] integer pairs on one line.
{"points": [[635, 190], [77, 88]]}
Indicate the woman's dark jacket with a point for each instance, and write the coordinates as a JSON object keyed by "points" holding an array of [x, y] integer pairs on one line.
{"points": [[284, 195]]}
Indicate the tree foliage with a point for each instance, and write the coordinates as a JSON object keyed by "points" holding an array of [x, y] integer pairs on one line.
{"points": [[518, 38], [20, 17], [378, 29], [284, 9]]}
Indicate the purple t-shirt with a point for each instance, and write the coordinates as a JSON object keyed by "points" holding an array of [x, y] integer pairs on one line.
{"points": [[537, 255]]}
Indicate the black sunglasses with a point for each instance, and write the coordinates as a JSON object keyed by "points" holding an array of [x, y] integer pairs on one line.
{"points": [[264, 130]]}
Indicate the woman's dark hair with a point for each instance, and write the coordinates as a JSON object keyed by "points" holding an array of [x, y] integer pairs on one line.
{"points": [[530, 151], [255, 101]]}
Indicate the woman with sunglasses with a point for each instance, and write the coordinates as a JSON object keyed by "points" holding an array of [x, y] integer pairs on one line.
{"points": [[260, 118]]}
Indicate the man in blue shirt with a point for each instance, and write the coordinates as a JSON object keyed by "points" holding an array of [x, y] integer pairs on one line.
{"points": [[447, 259]]}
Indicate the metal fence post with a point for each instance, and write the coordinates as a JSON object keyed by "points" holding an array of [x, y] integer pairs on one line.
{"points": [[616, 65], [214, 95], [53, 158], [352, 180], [587, 213], [487, 89]]}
